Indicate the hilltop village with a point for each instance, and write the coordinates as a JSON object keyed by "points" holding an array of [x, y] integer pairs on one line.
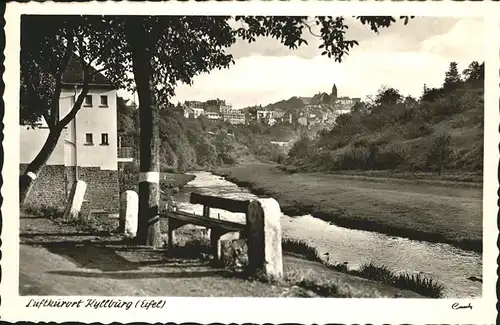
{"points": [[320, 109]]}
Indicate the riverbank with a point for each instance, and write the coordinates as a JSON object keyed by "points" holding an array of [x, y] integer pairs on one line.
{"points": [[430, 211], [130, 180], [58, 258]]}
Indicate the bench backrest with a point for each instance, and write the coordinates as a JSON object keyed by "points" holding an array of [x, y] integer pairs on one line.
{"points": [[238, 206]]}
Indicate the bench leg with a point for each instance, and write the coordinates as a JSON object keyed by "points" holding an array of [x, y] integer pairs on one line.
{"points": [[172, 225], [215, 244]]}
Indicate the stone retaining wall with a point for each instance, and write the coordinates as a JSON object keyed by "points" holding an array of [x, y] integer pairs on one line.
{"points": [[103, 190], [49, 187], [54, 183]]}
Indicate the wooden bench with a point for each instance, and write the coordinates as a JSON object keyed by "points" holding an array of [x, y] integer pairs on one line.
{"points": [[218, 228]]}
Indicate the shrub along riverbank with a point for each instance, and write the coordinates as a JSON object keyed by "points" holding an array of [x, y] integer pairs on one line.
{"points": [[321, 277], [418, 283], [431, 212]]}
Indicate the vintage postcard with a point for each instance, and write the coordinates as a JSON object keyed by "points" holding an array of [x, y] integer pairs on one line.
{"points": [[223, 162]]}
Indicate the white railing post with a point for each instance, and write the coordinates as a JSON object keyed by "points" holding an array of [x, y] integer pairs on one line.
{"points": [[129, 210], [75, 200], [264, 238]]}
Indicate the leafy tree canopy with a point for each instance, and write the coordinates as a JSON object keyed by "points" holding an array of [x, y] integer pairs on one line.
{"points": [[48, 43], [388, 96], [179, 47]]}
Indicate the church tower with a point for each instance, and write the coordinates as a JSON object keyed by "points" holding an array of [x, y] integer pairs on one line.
{"points": [[333, 96]]}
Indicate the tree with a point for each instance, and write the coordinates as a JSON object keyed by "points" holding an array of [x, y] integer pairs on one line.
{"points": [[452, 77], [359, 108], [385, 108], [125, 117], [48, 44], [162, 51], [225, 148], [440, 153], [432, 94], [474, 73], [388, 96]]}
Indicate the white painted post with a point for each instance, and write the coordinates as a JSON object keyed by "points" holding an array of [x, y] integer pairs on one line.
{"points": [[264, 237], [129, 211], [75, 200]]}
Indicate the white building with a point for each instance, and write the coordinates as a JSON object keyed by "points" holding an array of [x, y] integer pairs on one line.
{"points": [[213, 115], [193, 112], [234, 117], [87, 148]]}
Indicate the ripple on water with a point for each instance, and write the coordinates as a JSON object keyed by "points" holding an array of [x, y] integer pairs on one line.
{"points": [[447, 264]]}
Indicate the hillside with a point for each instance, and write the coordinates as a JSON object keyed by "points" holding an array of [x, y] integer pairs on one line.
{"points": [[187, 144], [440, 132]]}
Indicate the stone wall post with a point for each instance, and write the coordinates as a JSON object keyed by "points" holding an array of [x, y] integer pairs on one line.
{"points": [[264, 237], [129, 210], [75, 200]]}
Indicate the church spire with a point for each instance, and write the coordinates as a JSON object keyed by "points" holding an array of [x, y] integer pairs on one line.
{"points": [[334, 92]]}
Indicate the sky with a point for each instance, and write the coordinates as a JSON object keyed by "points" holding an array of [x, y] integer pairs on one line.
{"points": [[403, 57]]}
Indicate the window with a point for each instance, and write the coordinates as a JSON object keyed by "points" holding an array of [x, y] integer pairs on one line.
{"points": [[88, 100], [104, 139], [104, 101], [88, 139]]}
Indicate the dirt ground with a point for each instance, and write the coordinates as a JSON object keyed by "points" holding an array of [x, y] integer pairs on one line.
{"points": [[58, 259]]}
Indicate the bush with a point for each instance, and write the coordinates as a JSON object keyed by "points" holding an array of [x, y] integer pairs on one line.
{"points": [[391, 156], [420, 284], [45, 211], [302, 149], [360, 143], [376, 273], [416, 129], [439, 155], [416, 283], [354, 158], [301, 247]]}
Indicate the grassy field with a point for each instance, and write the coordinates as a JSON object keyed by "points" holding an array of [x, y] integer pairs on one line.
{"points": [[464, 179], [440, 211]]}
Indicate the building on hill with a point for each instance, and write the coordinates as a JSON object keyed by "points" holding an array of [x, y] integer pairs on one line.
{"points": [[216, 106], [193, 109], [287, 118], [345, 103], [213, 109], [213, 116], [265, 116], [227, 109], [306, 100], [87, 148], [193, 103], [193, 112], [234, 117]]}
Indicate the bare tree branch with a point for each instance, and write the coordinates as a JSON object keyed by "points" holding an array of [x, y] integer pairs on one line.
{"points": [[310, 29]]}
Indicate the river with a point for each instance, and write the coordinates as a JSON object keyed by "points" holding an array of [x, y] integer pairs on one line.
{"points": [[449, 265]]}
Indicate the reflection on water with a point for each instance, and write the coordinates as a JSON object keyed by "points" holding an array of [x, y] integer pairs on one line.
{"points": [[447, 264]]}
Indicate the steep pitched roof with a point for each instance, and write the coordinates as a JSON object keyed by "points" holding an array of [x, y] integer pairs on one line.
{"points": [[74, 75]]}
